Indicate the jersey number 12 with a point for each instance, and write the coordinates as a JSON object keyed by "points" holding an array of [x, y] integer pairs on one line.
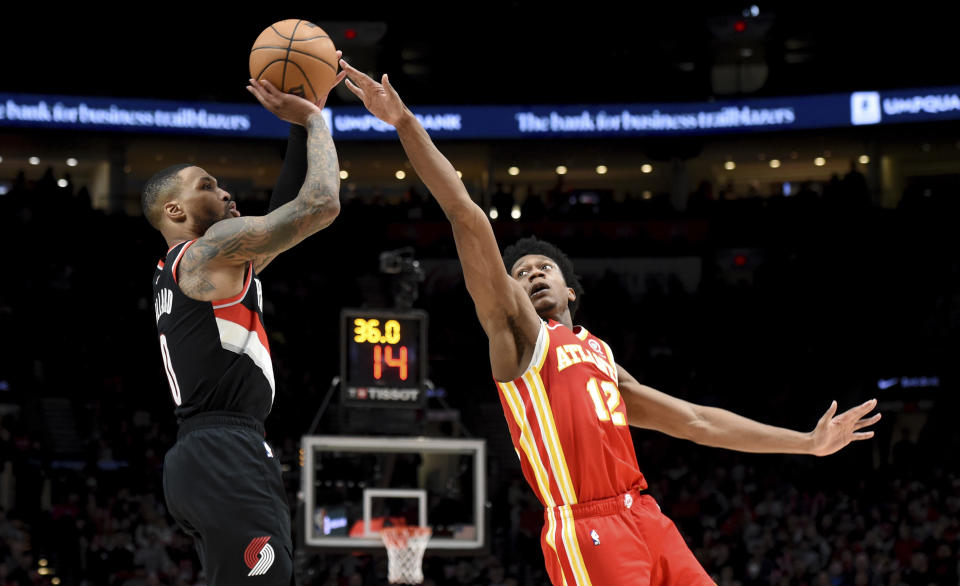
{"points": [[606, 411]]}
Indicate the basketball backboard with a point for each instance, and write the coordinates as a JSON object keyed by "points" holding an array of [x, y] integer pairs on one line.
{"points": [[355, 485]]}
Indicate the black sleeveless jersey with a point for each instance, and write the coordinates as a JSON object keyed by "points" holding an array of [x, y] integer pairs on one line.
{"points": [[215, 353]]}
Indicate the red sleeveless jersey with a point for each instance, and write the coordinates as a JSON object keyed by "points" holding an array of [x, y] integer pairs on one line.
{"points": [[568, 422]]}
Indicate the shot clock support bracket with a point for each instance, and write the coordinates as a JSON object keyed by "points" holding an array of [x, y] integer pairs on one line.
{"points": [[334, 383], [344, 421]]}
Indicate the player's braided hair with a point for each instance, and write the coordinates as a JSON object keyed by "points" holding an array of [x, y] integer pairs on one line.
{"points": [[156, 189], [532, 245]]}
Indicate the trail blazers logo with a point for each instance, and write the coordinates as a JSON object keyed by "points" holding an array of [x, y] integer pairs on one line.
{"points": [[258, 556]]}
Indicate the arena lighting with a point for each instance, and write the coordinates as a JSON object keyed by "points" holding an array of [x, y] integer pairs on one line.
{"points": [[34, 160], [401, 174], [459, 174], [740, 26], [774, 163], [646, 168], [350, 34], [647, 194], [344, 174], [729, 165], [864, 159], [71, 162], [601, 169], [561, 170], [514, 171], [819, 161], [62, 183], [494, 214], [1, 159], [515, 212], [740, 260]]}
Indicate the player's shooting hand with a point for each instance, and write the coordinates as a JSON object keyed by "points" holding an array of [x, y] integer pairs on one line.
{"points": [[289, 107], [379, 98], [833, 432]]}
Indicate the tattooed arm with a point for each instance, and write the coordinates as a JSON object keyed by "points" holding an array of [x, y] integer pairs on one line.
{"points": [[214, 266]]}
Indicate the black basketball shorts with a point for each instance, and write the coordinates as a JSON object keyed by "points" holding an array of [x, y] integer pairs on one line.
{"points": [[224, 488]]}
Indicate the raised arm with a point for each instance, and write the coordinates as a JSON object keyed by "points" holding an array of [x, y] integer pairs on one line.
{"points": [[233, 242], [650, 409], [236, 241], [505, 311]]}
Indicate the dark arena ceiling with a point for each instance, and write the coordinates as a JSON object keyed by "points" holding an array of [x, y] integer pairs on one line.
{"points": [[495, 52]]}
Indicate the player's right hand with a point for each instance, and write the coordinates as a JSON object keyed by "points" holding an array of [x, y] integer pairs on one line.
{"points": [[379, 98], [289, 107]]}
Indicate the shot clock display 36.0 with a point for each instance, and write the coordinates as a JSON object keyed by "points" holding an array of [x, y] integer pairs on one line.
{"points": [[383, 357]]}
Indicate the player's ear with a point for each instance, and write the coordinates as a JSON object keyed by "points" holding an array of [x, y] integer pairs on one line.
{"points": [[174, 211], [571, 295]]}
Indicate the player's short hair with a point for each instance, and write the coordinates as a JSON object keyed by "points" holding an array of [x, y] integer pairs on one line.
{"points": [[533, 245], [158, 189]]}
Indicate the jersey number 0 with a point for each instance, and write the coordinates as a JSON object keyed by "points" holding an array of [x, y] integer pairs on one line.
{"points": [[168, 367]]}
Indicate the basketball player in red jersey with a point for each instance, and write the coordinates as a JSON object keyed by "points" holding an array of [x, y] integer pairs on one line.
{"points": [[568, 403]]}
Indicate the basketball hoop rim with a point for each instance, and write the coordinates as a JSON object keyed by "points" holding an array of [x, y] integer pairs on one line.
{"points": [[398, 537]]}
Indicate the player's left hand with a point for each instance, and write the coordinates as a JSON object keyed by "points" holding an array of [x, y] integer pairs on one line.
{"points": [[379, 98], [833, 432], [289, 107]]}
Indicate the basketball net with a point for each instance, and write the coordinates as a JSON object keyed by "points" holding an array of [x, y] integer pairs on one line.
{"points": [[405, 547]]}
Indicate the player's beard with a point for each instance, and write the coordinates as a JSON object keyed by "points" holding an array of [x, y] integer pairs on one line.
{"points": [[206, 223]]}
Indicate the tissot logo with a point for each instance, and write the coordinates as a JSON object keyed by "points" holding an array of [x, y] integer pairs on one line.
{"points": [[865, 108]]}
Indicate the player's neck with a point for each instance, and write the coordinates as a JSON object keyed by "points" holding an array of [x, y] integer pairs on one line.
{"points": [[562, 318], [175, 237]]}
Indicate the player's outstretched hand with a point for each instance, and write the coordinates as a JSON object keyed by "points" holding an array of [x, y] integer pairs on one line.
{"points": [[833, 432], [379, 98], [289, 107]]}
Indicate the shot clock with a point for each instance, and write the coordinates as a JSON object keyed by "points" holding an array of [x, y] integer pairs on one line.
{"points": [[383, 357]]}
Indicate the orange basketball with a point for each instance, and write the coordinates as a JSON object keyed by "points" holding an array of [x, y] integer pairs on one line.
{"points": [[297, 57]]}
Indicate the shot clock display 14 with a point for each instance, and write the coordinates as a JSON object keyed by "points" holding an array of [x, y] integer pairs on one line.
{"points": [[383, 357]]}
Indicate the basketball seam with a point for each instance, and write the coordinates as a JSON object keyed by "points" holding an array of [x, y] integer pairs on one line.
{"points": [[321, 59], [279, 34], [267, 66], [290, 38], [306, 78], [283, 76]]}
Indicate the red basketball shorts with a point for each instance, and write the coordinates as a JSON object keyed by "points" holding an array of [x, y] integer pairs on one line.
{"points": [[619, 540]]}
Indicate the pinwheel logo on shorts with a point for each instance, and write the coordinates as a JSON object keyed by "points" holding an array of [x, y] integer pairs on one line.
{"points": [[258, 556]]}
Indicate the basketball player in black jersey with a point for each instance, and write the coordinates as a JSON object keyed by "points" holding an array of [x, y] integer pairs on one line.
{"points": [[221, 480]]}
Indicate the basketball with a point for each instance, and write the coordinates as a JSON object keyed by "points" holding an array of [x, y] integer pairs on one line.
{"points": [[297, 57]]}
